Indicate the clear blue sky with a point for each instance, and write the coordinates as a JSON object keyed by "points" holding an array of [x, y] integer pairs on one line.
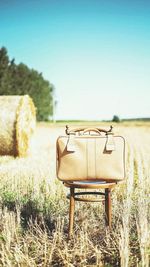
{"points": [[95, 52]]}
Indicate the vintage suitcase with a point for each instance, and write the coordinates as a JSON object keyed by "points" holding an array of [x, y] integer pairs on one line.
{"points": [[90, 154]]}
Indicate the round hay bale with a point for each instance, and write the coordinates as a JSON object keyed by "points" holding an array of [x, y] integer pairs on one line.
{"points": [[17, 123]]}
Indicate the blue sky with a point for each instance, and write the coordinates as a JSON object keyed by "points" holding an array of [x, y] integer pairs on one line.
{"points": [[95, 52]]}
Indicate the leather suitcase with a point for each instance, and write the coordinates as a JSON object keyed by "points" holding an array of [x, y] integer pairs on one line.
{"points": [[90, 154]]}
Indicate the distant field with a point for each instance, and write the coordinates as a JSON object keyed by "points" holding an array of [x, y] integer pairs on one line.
{"points": [[34, 208]]}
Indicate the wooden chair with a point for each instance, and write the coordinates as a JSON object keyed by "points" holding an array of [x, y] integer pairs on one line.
{"points": [[80, 196], [85, 184]]}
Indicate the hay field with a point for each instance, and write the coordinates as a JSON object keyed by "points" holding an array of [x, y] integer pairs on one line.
{"points": [[34, 209]]}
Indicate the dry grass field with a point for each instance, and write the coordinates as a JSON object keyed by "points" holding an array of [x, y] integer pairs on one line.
{"points": [[34, 209]]}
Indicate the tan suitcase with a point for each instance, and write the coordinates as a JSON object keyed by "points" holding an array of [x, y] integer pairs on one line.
{"points": [[90, 154]]}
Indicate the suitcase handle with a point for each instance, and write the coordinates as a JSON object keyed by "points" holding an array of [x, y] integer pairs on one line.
{"points": [[109, 147], [83, 130], [96, 130]]}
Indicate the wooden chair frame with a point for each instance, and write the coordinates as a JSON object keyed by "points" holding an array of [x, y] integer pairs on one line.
{"points": [[75, 196]]}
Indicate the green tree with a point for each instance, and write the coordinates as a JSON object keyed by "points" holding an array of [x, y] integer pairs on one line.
{"points": [[20, 80], [4, 67], [116, 118]]}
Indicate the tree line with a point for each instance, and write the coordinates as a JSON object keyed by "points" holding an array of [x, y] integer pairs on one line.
{"points": [[19, 79]]}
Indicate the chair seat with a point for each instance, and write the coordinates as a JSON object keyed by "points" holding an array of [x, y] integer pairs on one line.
{"points": [[90, 184]]}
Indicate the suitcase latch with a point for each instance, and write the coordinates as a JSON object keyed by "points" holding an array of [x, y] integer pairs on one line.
{"points": [[71, 143], [110, 144]]}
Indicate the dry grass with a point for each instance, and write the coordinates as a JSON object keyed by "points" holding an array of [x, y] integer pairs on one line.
{"points": [[34, 210]]}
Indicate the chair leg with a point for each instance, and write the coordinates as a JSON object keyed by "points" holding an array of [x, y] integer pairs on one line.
{"points": [[71, 211], [108, 207]]}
